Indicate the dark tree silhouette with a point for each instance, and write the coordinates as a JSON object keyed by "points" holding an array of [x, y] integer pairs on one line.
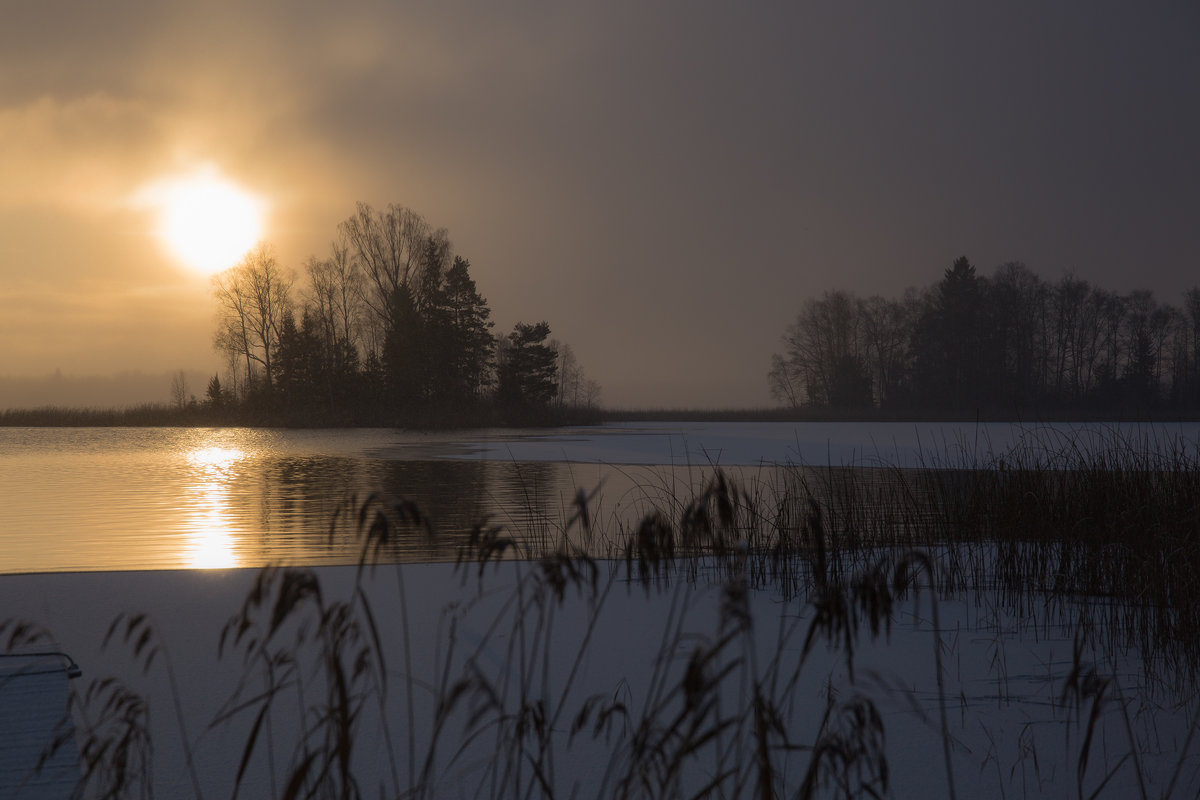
{"points": [[1017, 301], [849, 383], [1011, 343], [388, 247], [253, 299], [390, 329], [528, 368], [953, 357], [1185, 387], [402, 356], [301, 367], [215, 395], [468, 326]]}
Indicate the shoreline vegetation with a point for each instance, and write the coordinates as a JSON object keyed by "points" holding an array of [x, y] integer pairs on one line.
{"points": [[485, 416], [204, 416], [1103, 549]]}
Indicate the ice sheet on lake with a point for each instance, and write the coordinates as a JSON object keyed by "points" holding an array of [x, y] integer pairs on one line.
{"points": [[1014, 733], [871, 444]]}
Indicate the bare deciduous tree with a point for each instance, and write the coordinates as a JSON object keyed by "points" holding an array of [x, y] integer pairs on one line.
{"points": [[335, 296], [179, 389], [253, 299], [825, 361], [784, 382], [575, 389], [389, 247]]}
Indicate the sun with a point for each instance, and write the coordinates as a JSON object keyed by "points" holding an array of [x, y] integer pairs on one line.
{"points": [[206, 221]]}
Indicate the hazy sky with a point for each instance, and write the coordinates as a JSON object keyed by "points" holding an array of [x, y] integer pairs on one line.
{"points": [[664, 183]]}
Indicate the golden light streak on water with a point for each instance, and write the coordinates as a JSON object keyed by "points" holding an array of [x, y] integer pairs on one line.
{"points": [[210, 543], [218, 459]]}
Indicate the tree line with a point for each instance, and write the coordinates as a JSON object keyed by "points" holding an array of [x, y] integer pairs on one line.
{"points": [[388, 328], [1008, 343]]}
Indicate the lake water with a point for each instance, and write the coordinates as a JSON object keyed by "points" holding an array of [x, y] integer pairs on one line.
{"points": [[155, 500], [84, 499]]}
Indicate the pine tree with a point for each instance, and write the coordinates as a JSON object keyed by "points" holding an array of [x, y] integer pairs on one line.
{"points": [[529, 370], [469, 328], [215, 393]]}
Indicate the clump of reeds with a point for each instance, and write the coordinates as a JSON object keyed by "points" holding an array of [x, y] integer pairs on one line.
{"points": [[1103, 531], [1107, 530]]}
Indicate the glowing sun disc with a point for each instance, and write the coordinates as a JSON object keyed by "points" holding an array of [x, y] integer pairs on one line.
{"points": [[206, 221]]}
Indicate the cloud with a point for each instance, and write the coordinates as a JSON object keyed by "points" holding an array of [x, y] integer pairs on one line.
{"points": [[73, 153]]}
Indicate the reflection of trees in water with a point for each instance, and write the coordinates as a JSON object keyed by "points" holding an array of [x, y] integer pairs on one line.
{"points": [[306, 509], [297, 504], [309, 507], [450, 496], [530, 499]]}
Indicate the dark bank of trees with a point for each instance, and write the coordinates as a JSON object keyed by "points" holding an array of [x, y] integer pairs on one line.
{"points": [[389, 328], [1008, 344]]}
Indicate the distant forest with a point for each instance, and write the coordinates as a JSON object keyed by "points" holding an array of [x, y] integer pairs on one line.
{"points": [[389, 328], [1009, 345]]}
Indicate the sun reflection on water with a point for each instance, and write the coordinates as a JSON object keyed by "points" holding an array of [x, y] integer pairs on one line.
{"points": [[211, 543]]}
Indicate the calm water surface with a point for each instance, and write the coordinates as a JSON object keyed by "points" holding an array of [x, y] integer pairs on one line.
{"points": [[74, 499]]}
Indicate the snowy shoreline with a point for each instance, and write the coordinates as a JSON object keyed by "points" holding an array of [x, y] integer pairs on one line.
{"points": [[1003, 677]]}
